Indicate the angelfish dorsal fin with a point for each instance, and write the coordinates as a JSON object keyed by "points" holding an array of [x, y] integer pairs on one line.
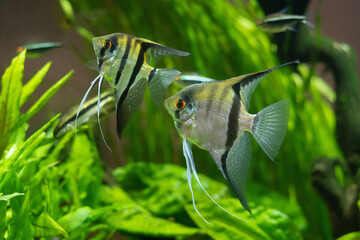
{"points": [[249, 82], [155, 51]]}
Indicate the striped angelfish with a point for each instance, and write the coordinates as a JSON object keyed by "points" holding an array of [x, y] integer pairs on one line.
{"points": [[87, 113], [214, 116], [123, 60]]}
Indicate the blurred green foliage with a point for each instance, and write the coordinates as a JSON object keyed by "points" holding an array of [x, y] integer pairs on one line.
{"points": [[58, 187]]}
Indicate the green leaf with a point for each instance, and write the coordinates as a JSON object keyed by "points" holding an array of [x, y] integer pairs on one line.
{"points": [[3, 225], [73, 220], [85, 33], [163, 189], [21, 224], [125, 215], [11, 85], [266, 224], [39, 103], [84, 172], [68, 10], [29, 145], [350, 236], [3, 206], [9, 196], [262, 195], [33, 83], [134, 219], [45, 226], [113, 194]]}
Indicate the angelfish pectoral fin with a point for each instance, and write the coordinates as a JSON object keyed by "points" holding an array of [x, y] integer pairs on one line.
{"points": [[237, 165], [159, 80], [131, 103], [189, 158]]}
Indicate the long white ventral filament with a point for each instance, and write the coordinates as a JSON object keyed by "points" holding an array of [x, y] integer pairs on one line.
{"points": [[189, 157], [84, 98], [98, 110]]}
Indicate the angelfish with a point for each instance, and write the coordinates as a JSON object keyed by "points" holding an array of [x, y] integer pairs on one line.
{"points": [[214, 116], [123, 61], [87, 112], [280, 22]]}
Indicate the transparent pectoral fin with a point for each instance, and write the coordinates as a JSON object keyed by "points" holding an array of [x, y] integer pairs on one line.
{"points": [[131, 103], [192, 78], [237, 166], [188, 153], [188, 157], [159, 80]]}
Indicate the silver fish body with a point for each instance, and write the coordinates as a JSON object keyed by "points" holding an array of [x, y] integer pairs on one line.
{"points": [[214, 117]]}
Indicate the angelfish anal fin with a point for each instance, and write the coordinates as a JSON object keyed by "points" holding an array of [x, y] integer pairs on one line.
{"points": [[131, 103], [237, 165]]}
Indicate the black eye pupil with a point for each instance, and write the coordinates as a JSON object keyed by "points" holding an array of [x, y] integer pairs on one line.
{"points": [[107, 44], [180, 104]]}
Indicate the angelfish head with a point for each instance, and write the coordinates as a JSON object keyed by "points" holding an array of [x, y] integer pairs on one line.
{"points": [[106, 51], [181, 108]]}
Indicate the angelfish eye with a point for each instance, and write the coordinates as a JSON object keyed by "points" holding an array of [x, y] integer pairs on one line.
{"points": [[107, 44], [180, 104]]}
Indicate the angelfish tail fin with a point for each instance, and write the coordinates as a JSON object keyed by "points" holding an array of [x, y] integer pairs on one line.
{"points": [[269, 127], [159, 80]]}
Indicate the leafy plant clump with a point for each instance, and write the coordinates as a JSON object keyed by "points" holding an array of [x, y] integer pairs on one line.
{"points": [[54, 187]]}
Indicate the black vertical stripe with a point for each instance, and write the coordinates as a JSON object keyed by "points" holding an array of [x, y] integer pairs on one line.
{"points": [[100, 61], [151, 75], [123, 59], [135, 72], [236, 87], [102, 52], [233, 127], [233, 123], [114, 42]]}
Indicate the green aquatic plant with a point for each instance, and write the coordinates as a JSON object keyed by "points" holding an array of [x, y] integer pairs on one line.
{"points": [[224, 42], [56, 187]]}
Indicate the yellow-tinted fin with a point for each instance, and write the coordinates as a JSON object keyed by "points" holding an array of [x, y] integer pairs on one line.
{"points": [[127, 108], [237, 165], [159, 80], [155, 51]]}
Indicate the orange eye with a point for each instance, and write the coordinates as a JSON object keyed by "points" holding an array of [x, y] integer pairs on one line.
{"points": [[107, 44], [180, 104]]}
